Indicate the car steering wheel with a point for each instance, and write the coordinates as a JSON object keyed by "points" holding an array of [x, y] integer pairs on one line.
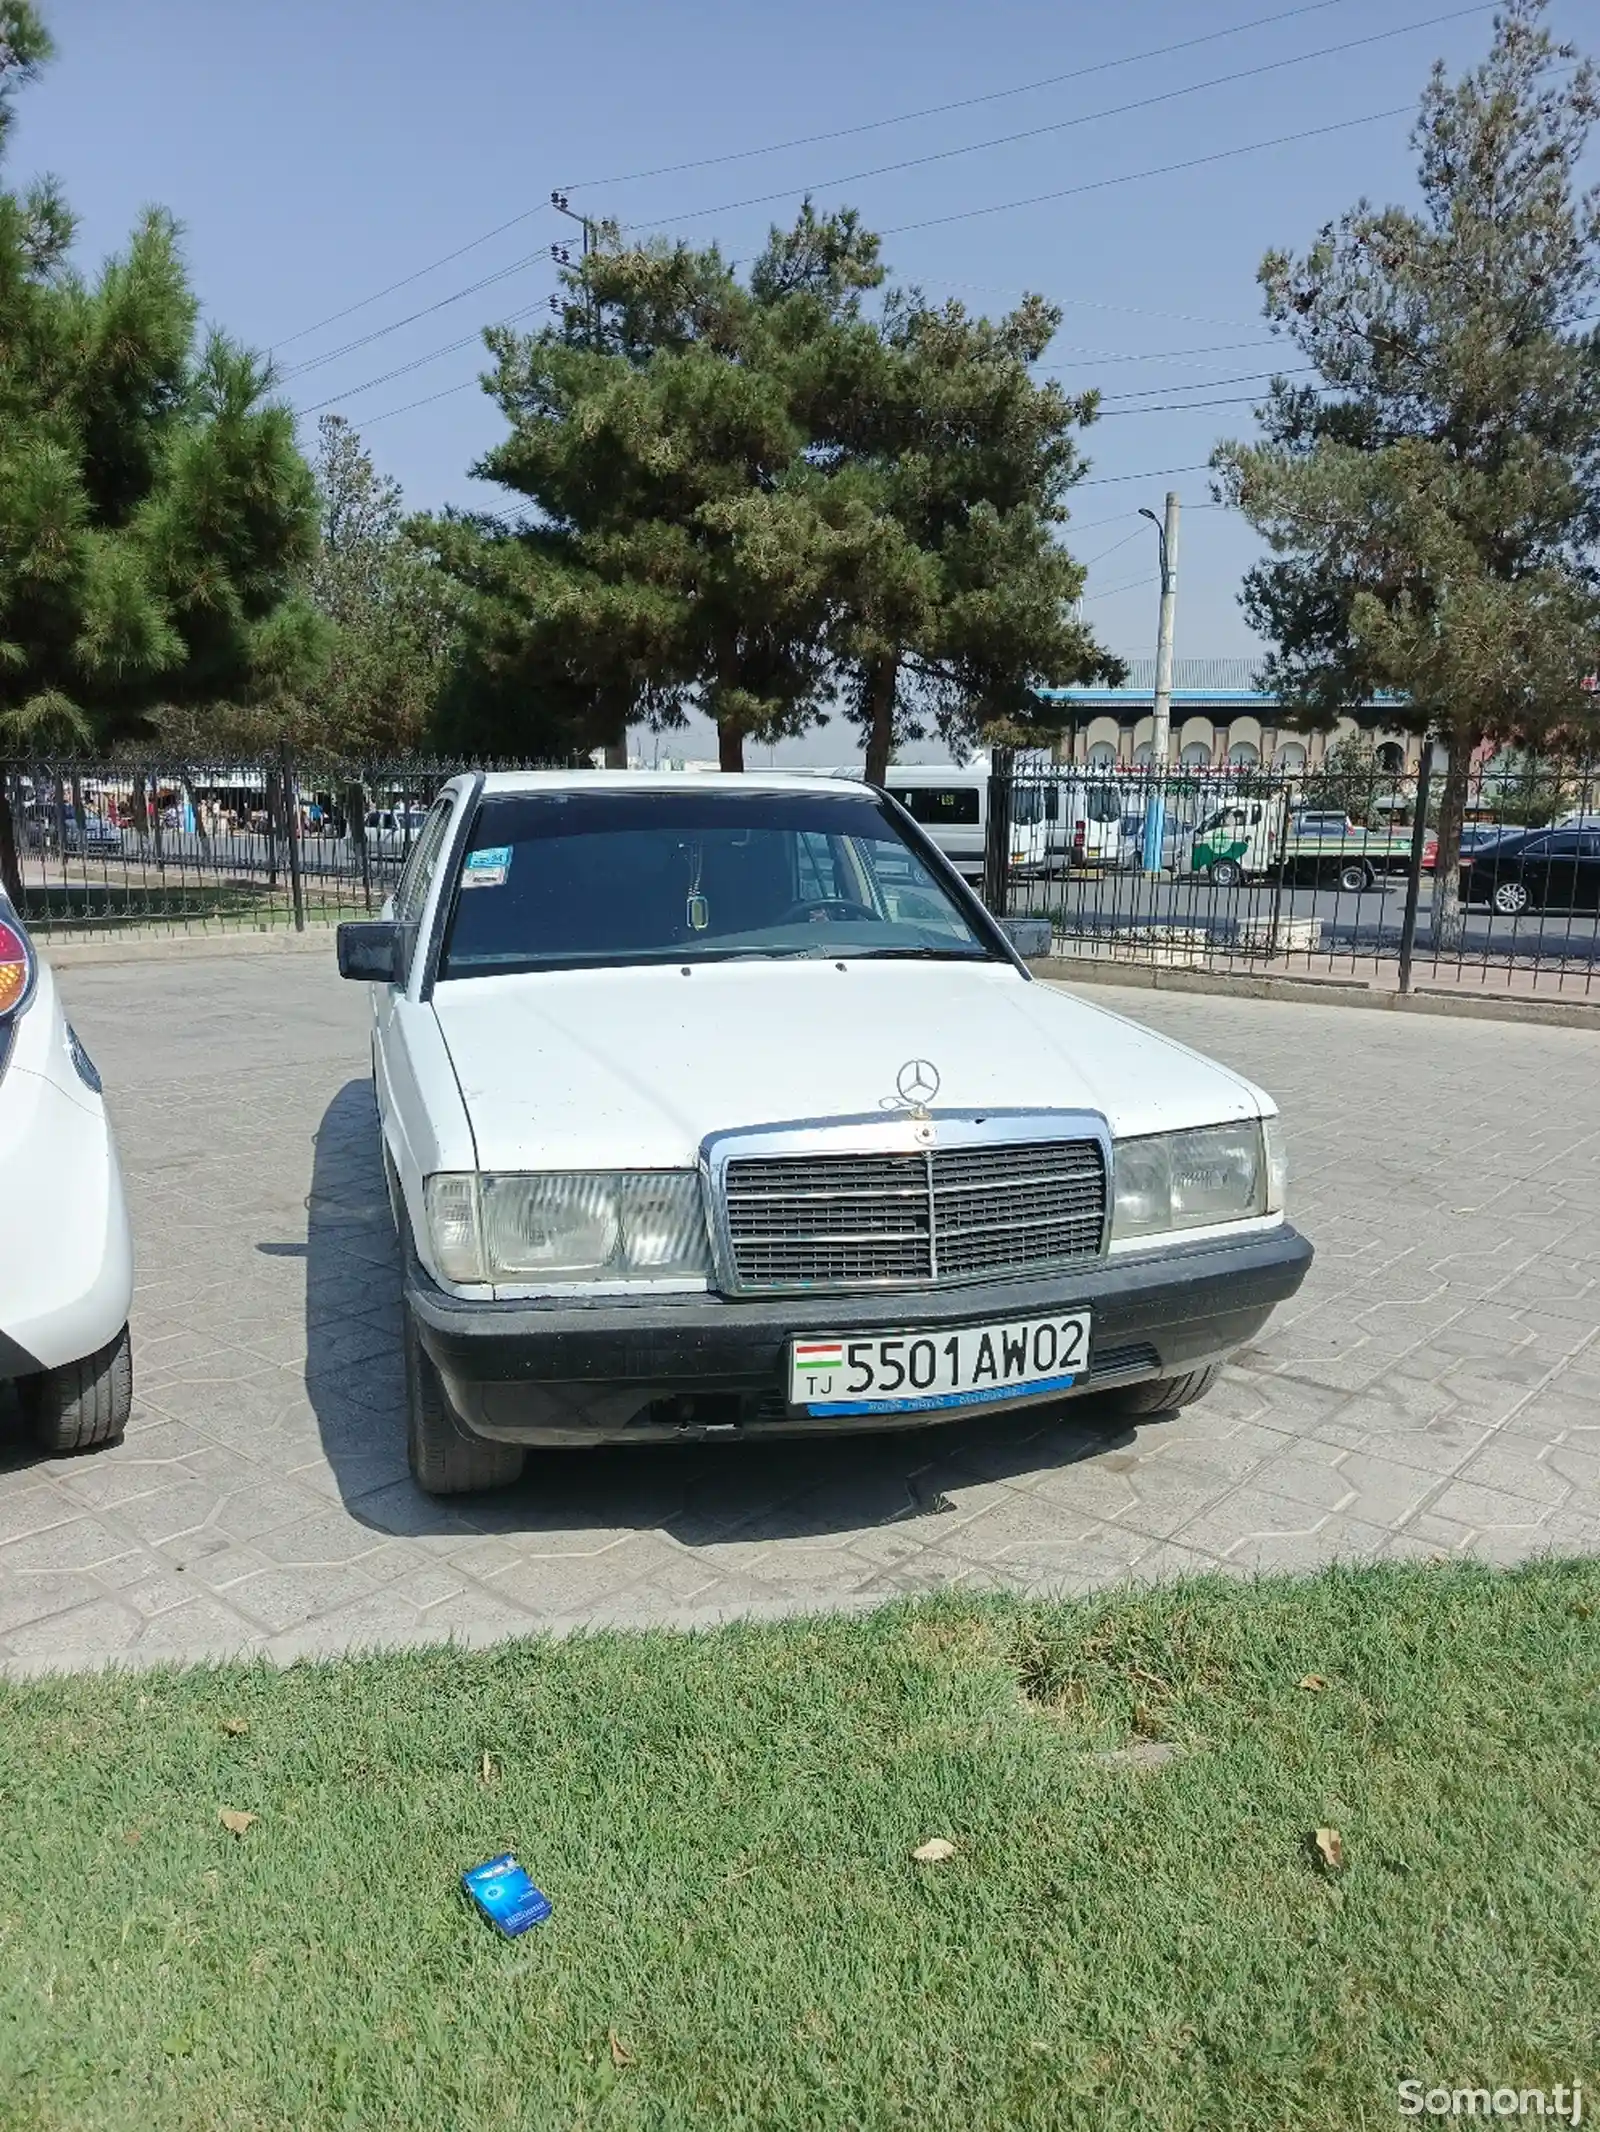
{"points": [[831, 910]]}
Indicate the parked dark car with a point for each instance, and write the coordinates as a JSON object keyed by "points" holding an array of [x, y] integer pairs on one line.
{"points": [[1535, 870]]}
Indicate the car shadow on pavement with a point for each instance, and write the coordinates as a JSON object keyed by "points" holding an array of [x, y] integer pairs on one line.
{"points": [[785, 1488]]}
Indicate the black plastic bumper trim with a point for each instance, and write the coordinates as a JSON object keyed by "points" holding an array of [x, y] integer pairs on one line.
{"points": [[590, 1359]]}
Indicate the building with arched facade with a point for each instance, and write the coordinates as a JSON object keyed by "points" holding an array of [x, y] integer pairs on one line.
{"points": [[1219, 717]]}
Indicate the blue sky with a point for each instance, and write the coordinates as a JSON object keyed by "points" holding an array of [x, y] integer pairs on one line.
{"points": [[316, 153]]}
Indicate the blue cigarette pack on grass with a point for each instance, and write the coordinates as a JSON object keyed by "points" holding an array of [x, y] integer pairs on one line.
{"points": [[506, 1896]]}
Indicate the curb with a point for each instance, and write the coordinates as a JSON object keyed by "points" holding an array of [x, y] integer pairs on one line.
{"points": [[1325, 992], [1063, 970], [180, 947]]}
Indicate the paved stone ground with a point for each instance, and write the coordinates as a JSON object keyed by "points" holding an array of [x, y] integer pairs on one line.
{"points": [[1434, 1390]]}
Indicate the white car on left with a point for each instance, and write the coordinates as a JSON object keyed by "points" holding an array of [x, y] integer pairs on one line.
{"points": [[66, 1251]]}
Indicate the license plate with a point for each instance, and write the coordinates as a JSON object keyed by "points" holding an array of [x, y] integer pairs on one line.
{"points": [[915, 1372]]}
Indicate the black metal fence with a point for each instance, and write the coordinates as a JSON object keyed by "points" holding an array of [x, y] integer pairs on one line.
{"points": [[1330, 873], [100, 846]]}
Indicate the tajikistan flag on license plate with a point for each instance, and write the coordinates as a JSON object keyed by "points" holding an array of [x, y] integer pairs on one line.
{"points": [[814, 1355]]}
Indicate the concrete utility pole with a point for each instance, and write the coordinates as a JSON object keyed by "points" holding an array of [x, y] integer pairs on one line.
{"points": [[616, 751], [1161, 722], [558, 200]]}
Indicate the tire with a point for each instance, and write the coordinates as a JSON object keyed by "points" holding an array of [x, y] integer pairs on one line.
{"points": [[83, 1406], [1511, 898], [1225, 873], [446, 1458], [1354, 877], [1165, 1395]]}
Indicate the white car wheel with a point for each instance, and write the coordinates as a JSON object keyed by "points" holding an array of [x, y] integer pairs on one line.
{"points": [[82, 1406], [1511, 899]]}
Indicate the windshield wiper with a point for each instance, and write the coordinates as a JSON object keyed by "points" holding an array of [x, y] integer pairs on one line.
{"points": [[911, 955]]}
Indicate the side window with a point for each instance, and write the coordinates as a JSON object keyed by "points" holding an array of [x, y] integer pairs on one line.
{"points": [[942, 806], [423, 863], [1589, 847], [1540, 848]]}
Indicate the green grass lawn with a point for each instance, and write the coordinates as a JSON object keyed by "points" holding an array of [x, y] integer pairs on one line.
{"points": [[92, 909], [741, 1937]]}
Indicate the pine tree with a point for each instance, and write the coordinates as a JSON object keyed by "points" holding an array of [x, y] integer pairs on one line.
{"points": [[959, 609], [1433, 506], [753, 496], [155, 512]]}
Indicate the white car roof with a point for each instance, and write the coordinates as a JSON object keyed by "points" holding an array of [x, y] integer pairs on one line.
{"points": [[512, 781]]}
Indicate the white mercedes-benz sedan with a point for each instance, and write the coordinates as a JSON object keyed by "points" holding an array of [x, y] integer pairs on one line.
{"points": [[720, 1105], [66, 1254]]}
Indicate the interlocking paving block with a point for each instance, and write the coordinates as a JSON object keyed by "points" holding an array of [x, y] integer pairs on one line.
{"points": [[1433, 1392]]}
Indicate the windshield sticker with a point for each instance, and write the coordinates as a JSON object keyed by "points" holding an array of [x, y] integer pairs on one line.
{"points": [[487, 868]]}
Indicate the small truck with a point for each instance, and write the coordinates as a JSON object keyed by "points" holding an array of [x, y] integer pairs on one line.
{"points": [[1259, 837]]}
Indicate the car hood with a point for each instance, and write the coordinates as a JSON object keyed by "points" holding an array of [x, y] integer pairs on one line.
{"points": [[616, 1069]]}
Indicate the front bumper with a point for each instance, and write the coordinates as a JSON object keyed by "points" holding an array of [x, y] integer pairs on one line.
{"points": [[608, 1371]]}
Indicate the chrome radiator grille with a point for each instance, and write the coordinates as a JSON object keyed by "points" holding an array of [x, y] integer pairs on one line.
{"points": [[944, 1214]]}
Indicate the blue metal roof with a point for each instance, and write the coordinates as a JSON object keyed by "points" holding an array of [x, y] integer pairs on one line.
{"points": [[1197, 684]]}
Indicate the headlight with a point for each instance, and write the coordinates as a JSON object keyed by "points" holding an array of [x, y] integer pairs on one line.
{"points": [[1190, 1180], [631, 1225]]}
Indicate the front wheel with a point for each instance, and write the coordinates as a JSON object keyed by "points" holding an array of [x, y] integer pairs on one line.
{"points": [[1511, 898], [82, 1406], [1225, 873], [445, 1458], [1165, 1395]]}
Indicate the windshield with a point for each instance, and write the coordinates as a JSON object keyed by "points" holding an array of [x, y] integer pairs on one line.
{"points": [[572, 879]]}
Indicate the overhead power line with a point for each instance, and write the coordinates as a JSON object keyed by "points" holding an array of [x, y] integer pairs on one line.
{"points": [[1178, 407], [1091, 560], [362, 302], [1047, 81], [908, 163], [1097, 358], [379, 333], [960, 103], [1066, 125], [1250, 377], [427, 400], [417, 363], [1128, 585], [1158, 473], [1161, 170]]}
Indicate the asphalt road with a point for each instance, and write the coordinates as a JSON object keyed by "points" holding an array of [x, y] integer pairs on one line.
{"points": [[1365, 923]]}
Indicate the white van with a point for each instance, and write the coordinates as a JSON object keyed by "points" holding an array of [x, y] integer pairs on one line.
{"points": [[1084, 814], [953, 807]]}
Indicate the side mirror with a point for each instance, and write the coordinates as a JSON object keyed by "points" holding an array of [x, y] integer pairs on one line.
{"points": [[375, 951]]}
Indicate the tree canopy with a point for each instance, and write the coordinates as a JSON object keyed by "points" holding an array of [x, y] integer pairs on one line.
{"points": [[155, 513], [763, 498], [389, 612], [1433, 505]]}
